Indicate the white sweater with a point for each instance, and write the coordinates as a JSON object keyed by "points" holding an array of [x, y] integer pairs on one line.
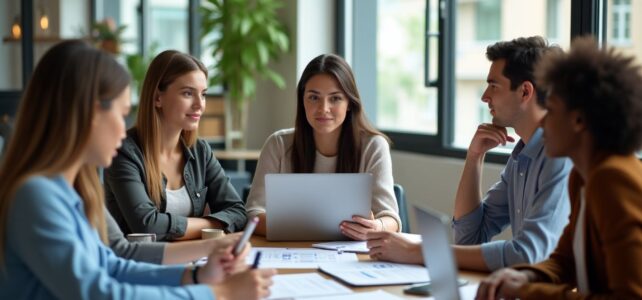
{"points": [[375, 159]]}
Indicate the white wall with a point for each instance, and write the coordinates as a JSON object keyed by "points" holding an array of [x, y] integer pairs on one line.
{"points": [[432, 180]]}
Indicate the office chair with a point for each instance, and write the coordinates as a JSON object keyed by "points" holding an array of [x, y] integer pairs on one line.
{"points": [[400, 194], [246, 193]]}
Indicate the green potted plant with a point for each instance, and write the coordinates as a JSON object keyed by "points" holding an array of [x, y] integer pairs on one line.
{"points": [[107, 35], [248, 36]]}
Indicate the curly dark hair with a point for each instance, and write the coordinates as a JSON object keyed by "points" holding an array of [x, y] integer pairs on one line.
{"points": [[604, 86], [521, 55]]}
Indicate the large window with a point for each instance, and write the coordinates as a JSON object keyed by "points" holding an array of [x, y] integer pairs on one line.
{"points": [[620, 22], [488, 19], [168, 24], [431, 102], [403, 101], [527, 18]]}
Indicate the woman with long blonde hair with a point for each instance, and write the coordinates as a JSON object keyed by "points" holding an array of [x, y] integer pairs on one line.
{"points": [[165, 180], [52, 226]]}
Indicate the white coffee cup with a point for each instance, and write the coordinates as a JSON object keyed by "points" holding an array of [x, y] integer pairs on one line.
{"points": [[212, 233], [141, 237]]}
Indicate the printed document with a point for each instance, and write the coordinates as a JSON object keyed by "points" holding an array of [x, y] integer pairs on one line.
{"points": [[359, 246], [304, 285], [297, 258], [366, 273], [378, 295]]}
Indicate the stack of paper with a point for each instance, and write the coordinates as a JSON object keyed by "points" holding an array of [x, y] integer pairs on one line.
{"points": [[367, 273]]}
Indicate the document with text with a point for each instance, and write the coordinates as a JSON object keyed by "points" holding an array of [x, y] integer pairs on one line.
{"points": [[297, 258], [367, 273], [359, 246], [304, 285], [378, 295]]}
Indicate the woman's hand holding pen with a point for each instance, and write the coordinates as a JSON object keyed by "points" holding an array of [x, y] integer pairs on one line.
{"points": [[222, 263], [252, 283]]}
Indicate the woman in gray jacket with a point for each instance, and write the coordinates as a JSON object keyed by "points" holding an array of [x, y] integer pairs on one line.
{"points": [[164, 180]]}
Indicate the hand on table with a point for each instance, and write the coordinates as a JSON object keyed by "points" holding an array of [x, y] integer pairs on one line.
{"points": [[502, 284], [393, 246]]}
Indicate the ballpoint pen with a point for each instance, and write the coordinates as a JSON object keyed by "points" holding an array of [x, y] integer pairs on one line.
{"points": [[257, 258]]}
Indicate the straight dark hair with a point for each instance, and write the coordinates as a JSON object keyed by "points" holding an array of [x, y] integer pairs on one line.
{"points": [[354, 127]]}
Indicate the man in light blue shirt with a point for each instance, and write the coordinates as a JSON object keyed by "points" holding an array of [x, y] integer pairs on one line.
{"points": [[531, 193]]}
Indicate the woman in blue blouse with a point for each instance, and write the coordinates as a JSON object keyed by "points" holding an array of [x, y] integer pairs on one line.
{"points": [[52, 226]]}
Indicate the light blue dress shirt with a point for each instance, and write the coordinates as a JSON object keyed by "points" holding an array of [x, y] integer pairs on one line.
{"points": [[531, 197], [51, 252]]}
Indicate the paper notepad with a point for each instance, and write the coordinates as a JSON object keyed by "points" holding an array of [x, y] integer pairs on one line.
{"points": [[369, 273]]}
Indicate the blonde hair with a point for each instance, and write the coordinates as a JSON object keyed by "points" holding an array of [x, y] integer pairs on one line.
{"points": [[163, 70], [53, 125]]}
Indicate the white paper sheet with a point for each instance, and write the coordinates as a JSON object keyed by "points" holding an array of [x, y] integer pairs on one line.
{"points": [[466, 292], [376, 295], [304, 285], [297, 258], [367, 273], [358, 246], [344, 246]]}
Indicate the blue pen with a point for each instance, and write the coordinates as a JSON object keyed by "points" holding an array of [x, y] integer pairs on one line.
{"points": [[257, 258]]}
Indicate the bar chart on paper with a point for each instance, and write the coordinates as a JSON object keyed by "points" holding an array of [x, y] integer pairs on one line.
{"points": [[298, 258]]}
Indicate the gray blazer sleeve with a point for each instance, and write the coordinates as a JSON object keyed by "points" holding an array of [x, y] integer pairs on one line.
{"points": [[224, 201], [143, 252]]}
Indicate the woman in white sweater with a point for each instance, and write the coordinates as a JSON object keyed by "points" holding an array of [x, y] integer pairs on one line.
{"points": [[331, 135]]}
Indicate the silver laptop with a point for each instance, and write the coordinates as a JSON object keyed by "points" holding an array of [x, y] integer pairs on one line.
{"points": [[438, 256], [306, 207]]}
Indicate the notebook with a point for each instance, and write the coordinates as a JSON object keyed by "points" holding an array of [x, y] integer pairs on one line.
{"points": [[310, 207]]}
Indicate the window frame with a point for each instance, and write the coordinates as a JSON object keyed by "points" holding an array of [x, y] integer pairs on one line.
{"points": [[586, 18]]}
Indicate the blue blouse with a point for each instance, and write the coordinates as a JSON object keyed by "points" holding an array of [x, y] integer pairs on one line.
{"points": [[51, 251]]}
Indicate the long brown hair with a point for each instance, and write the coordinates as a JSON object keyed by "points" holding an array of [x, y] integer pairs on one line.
{"points": [[164, 69], [353, 128], [54, 121]]}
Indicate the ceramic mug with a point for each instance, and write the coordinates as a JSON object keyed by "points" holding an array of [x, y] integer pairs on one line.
{"points": [[141, 237], [212, 233]]}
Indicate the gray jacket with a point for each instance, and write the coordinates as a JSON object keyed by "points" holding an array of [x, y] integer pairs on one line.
{"points": [[144, 252], [127, 199]]}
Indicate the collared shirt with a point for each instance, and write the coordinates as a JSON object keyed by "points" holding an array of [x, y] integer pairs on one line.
{"points": [[206, 183], [531, 197], [51, 252]]}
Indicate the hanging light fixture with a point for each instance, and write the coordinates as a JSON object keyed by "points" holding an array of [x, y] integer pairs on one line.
{"points": [[44, 19], [16, 31]]}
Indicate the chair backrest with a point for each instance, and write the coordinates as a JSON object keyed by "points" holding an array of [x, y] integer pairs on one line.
{"points": [[246, 192], [400, 194]]}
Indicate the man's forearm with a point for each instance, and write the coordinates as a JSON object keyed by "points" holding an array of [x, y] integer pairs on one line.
{"points": [[468, 195], [470, 258]]}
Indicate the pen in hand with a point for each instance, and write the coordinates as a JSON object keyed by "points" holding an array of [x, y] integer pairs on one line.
{"points": [[257, 258]]}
